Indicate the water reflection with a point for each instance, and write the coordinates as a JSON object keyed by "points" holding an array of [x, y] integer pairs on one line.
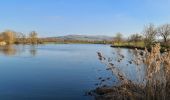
{"points": [[122, 63], [12, 50], [8, 50], [33, 50], [23, 78]]}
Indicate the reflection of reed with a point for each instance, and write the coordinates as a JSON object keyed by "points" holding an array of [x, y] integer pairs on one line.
{"points": [[115, 71]]}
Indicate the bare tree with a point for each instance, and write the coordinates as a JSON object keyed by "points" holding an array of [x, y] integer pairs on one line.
{"points": [[149, 34], [118, 38], [164, 32], [20, 38], [33, 37], [135, 38]]}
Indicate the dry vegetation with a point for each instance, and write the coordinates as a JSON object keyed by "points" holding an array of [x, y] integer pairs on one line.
{"points": [[154, 86]]}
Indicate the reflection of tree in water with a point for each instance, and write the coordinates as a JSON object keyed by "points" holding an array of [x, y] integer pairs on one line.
{"points": [[8, 50], [118, 51], [11, 50], [33, 50]]}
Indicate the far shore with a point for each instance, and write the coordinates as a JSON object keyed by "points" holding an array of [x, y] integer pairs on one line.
{"points": [[128, 47], [138, 47]]}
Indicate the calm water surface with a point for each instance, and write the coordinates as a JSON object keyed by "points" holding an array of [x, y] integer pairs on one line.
{"points": [[53, 72]]}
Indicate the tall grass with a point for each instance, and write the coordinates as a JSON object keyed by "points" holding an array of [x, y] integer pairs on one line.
{"points": [[155, 85]]}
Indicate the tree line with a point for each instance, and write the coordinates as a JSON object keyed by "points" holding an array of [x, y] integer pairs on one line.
{"points": [[150, 35], [12, 37]]}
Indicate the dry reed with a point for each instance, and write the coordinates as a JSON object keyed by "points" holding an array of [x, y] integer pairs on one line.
{"points": [[155, 84]]}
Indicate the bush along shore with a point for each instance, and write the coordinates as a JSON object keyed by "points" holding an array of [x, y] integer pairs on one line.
{"points": [[155, 85]]}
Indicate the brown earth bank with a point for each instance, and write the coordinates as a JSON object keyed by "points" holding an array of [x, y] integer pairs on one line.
{"points": [[131, 92], [129, 47]]}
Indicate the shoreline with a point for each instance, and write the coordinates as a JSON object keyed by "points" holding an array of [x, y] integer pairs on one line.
{"points": [[162, 50], [128, 47]]}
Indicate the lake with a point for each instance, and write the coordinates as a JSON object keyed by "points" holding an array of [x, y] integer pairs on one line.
{"points": [[55, 71]]}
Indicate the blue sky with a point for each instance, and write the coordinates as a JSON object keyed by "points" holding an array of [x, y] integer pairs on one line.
{"points": [[92, 17]]}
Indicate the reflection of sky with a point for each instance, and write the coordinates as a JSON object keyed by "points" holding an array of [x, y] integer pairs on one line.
{"points": [[61, 71], [54, 72]]}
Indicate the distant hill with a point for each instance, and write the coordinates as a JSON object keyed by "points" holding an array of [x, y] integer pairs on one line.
{"points": [[86, 37]]}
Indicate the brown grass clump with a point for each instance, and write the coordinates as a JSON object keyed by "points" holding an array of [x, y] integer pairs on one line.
{"points": [[154, 86]]}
